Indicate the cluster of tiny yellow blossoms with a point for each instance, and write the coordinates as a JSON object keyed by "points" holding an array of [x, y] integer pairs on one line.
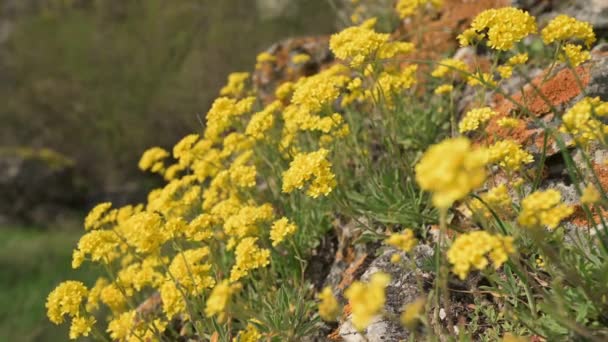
{"points": [[313, 167], [497, 199], [68, 299], [505, 27], [219, 299], [474, 118], [280, 230], [329, 308], [444, 89], [451, 170], [590, 195], [580, 122], [507, 122], [236, 84], [404, 241], [412, 313], [543, 208], [406, 8], [361, 44], [367, 300], [564, 29], [471, 250], [449, 68], [509, 155]]}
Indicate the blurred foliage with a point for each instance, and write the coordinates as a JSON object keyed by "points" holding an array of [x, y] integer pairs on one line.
{"points": [[102, 80]]}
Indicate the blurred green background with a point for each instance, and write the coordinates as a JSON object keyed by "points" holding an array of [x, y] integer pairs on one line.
{"points": [[99, 81]]}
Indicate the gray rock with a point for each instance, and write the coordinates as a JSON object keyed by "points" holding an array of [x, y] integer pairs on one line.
{"points": [[403, 289]]}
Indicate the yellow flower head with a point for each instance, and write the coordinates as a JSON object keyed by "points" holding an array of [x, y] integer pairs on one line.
{"points": [[404, 241], [329, 308], [471, 250], [367, 300], [543, 208], [563, 28], [450, 170], [152, 159], [220, 298], [590, 195], [65, 299], [474, 118], [357, 44], [444, 89], [248, 257], [300, 58], [412, 312], [236, 84], [497, 198], [97, 216], [405, 8], [509, 155], [507, 122], [450, 68], [313, 167], [505, 27], [574, 54], [250, 334], [81, 326], [579, 120], [280, 230]]}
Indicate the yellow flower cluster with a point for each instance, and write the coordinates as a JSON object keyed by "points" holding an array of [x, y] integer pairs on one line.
{"points": [[507, 122], [509, 155], [300, 58], [574, 54], [329, 308], [412, 313], [249, 256], [313, 167], [236, 84], [405, 8], [497, 199], [474, 118], [449, 68], [280, 230], [361, 44], [450, 170], [404, 241], [444, 89], [68, 299], [543, 208], [367, 300], [219, 298], [579, 121], [471, 250], [152, 160], [505, 27], [590, 195], [563, 28]]}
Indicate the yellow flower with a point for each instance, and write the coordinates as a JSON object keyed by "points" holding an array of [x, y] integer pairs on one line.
{"points": [[329, 308], [507, 122], [404, 241], [505, 71], [406, 8], [520, 58], [367, 300], [284, 91], [579, 120], [392, 49], [412, 313], [574, 54], [471, 250], [444, 88], [250, 334], [475, 117], [280, 230], [514, 338], [248, 257], [312, 167], [152, 159], [65, 299], [482, 78], [357, 44], [190, 271], [563, 28], [449, 67], [509, 155], [543, 208], [300, 58], [236, 84], [95, 218], [505, 27], [450, 170], [497, 198], [395, 258], [81, 326], [220, 298], [121, 326], [264, 57], [172, 299], [590, 195]]}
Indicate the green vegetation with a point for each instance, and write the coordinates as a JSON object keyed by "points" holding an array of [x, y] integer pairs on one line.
{"points": [[32, 263]]}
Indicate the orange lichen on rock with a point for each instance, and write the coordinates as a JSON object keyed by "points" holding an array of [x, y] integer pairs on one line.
{"points": [[353, 271]]}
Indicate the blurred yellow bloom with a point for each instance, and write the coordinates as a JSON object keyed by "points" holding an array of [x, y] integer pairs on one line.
{"points": [[404, 241], [474, 118], [367, 300], [590, 195], [412, 313], [280, 230], [329, 308], [471, 250], [543, 208]]}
